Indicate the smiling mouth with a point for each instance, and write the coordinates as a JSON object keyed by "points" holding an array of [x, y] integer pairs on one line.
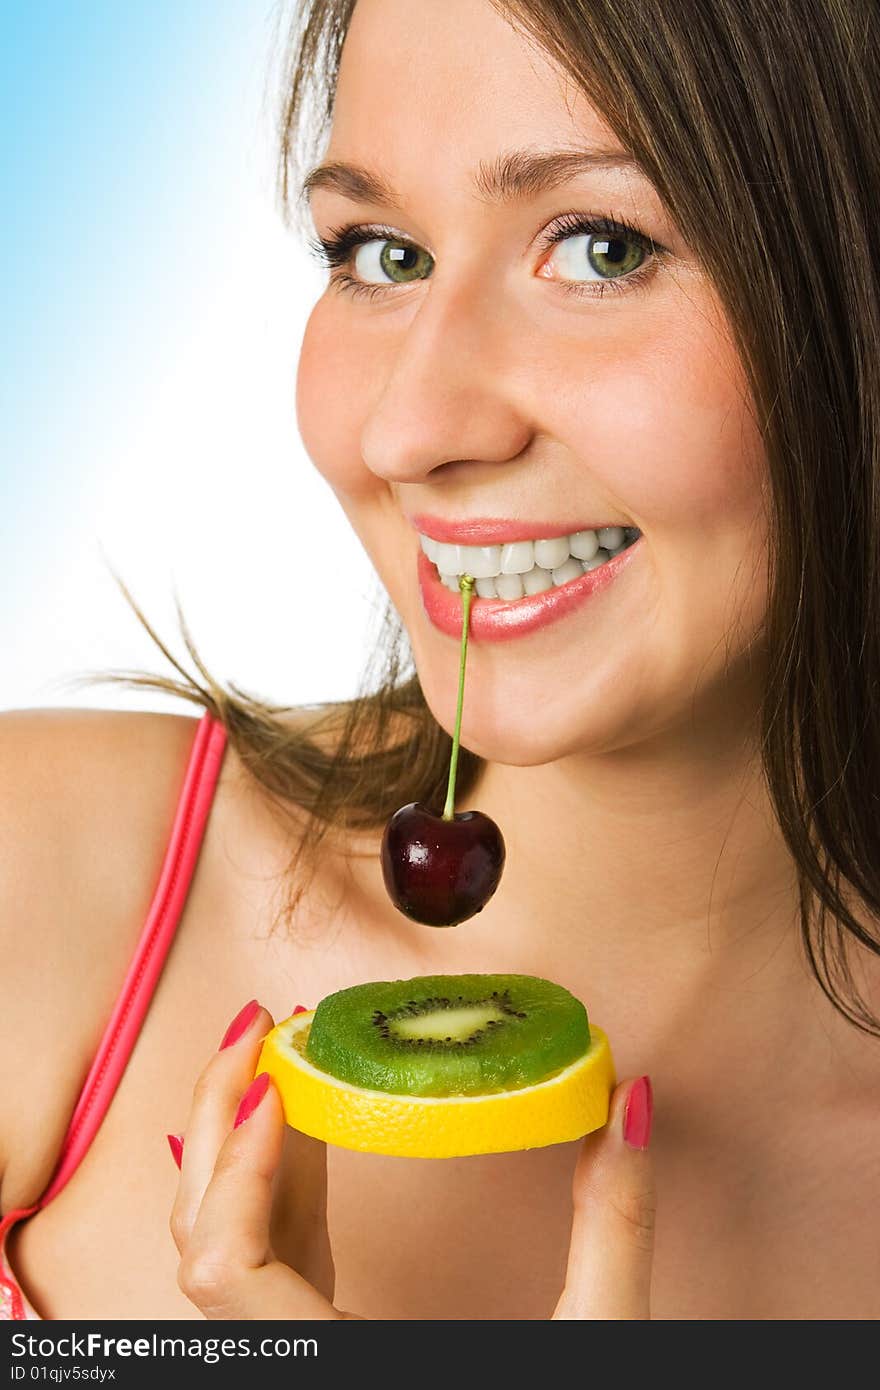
{"points": [[522, 568]]}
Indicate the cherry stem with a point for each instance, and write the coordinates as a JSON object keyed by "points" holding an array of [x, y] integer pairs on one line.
{"points": [[466, 585]]}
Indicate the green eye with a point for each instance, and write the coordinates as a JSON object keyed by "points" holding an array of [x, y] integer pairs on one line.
{"points": [[588, 254], [612, 255], [591, 255], [379, 261]]}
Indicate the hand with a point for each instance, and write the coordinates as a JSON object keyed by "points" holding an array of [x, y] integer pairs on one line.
{"points": [[244, 1256], [250, 1215], [612, 1235]]}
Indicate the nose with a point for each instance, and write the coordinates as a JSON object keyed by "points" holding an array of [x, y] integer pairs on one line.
{"points": [[451, 391]]}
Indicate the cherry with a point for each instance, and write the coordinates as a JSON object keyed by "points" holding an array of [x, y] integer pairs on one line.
{"points": [[440, 870], [437, 871]]}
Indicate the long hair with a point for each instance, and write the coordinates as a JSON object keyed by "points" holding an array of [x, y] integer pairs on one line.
{"points": [[758, 122]]}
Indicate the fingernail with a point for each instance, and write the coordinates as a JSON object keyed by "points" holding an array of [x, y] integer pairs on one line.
{"points": [[175, 1144], [251, 1098], [299, 1009], [239, 1024], [637, 1113]]}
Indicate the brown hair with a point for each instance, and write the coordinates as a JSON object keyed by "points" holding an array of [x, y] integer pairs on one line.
{"points": [[758, 121]]}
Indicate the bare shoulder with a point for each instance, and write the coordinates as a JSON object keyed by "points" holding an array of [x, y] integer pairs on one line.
{"points": [[83, 794], [87, 800]]}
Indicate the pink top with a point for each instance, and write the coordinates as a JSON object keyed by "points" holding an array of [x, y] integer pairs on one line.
{"points": [[128, 1014]]}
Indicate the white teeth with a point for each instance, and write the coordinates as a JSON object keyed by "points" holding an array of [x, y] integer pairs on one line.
{"points": [[598, 559], [448, 559], [549, 554], [522, 568], [537, 580], [481, 561], [583, 544], [429, 547], [518, 557], [510, 586], [571, 569], [610, 537]]}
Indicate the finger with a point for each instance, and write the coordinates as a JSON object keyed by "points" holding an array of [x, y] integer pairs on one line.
{"points": [[229, 1269], [298, 1230], [216, 1095], [612, 1239]]}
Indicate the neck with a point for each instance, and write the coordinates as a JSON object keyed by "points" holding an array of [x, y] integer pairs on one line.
{"points": [[654, 882], [674, 854]]}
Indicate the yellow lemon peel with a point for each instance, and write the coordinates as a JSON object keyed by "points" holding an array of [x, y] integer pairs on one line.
{"points": [[563, 1107]]}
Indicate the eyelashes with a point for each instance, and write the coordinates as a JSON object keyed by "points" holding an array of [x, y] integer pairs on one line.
{"points": [[336, 251]]}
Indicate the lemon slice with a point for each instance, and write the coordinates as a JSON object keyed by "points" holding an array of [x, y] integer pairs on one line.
{"points": [[565, 1106]]}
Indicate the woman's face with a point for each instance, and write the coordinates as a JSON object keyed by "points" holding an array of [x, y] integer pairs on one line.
{"points": [[484, 371]]}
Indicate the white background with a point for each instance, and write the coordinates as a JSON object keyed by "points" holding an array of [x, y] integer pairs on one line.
{"points": [[149, 397]]}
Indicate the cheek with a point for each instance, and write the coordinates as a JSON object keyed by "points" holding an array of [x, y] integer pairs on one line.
{"points": [[669, 431], [666, 431], [334, 386]]}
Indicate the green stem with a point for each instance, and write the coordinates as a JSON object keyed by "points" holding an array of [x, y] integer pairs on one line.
{"points": [[466, 585]]}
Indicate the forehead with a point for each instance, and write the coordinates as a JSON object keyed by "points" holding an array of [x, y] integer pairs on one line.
{"points": [[450, 82]]}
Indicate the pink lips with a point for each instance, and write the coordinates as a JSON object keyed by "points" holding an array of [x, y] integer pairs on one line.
{"points": [[494, 620], [497, 531]]}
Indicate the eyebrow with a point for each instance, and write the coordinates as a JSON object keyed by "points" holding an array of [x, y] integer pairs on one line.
{"points": [[518, 174]]}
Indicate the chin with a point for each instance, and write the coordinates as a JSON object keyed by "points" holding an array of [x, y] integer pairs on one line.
{"points": [[520, 709], [519, 729]]}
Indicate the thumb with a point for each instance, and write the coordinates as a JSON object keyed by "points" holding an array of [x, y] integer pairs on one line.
{"points": [[612, 1238]]}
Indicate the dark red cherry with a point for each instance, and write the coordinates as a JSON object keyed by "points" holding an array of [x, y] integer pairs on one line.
{"points": [[440, 872]]}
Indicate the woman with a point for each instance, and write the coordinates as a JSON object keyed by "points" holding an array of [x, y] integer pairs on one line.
{"points": [[592, 267]]}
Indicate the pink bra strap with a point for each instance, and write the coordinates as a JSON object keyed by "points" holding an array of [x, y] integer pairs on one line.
{"points": [[122, 1030]]}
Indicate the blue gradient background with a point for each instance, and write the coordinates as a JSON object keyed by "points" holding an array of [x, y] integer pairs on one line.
{"points": [[153, 305]]}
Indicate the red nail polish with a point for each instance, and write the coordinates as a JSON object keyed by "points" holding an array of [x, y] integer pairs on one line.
{"points": [[239, 1024], [637, 1113], [299, 1009], [175, 1144], [251, 1098]]}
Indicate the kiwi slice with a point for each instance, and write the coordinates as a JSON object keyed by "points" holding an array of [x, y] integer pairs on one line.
{"points": [[448, 1035]]}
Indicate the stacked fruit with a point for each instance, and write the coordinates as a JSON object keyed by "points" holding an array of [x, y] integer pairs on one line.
{"points": [[443, 1065]]}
